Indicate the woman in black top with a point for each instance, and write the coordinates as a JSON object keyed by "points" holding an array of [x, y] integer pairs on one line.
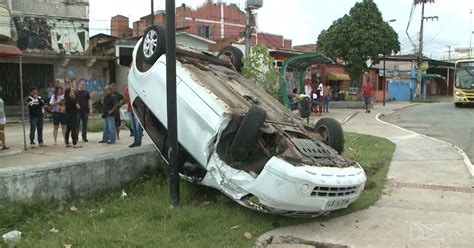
{"points": [[72, 108]]}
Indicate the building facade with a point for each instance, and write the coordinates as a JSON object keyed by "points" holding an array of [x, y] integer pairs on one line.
{"points": [[119, 27], [54, 38], [212, 20]]}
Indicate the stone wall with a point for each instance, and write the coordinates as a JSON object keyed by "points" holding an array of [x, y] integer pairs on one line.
{"points": [[78, 177]]}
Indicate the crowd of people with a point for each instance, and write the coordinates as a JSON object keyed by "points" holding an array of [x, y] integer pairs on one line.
{"points": [[69, 106], [320, 93]]}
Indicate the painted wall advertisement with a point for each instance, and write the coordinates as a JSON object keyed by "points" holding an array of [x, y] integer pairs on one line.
{"points": [[58, 35]]}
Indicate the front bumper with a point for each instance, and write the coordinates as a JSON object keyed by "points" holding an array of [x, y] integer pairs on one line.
{"points": [[465, 98], [307, 190]]}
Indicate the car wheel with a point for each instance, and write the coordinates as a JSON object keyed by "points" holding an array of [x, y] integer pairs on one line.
{"points": [[232, 54], [153, 44], [247, 134], [457, 104], [331, 133]]}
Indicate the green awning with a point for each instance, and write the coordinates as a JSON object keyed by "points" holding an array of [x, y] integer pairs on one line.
{"points": [[428, 76], [303, 61]]}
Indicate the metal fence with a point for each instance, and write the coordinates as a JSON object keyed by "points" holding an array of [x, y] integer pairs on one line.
{"points": [[34, 75]]}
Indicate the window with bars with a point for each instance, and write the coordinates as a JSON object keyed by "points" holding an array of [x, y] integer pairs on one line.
{"points": [[206, 31]]}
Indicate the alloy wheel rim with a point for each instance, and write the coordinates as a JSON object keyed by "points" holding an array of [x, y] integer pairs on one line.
{"points": [[150, 43]]}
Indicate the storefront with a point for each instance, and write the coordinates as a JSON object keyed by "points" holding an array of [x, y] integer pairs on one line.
{"points": [[337, 78], [39, 70], [339, 83]]}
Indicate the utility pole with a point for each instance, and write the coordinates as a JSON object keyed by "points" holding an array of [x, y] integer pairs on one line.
{"points": [[384, 79], [152, 13], [250, 5], [447, 80], [171, 101], [420, 53], [449, 52], [384, 86], [470, 37], [248, 30], [420, 46]]}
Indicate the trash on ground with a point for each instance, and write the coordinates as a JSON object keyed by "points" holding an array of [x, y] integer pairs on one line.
{"points": [[67, 246], [247, 235], [12, 237], [235, 227], [102, 210], [53, 230], [204, 203], [74, 209], [123, 195]]}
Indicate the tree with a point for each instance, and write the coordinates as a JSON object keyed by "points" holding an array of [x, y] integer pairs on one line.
{"points": [[358, 37], [259, 67]]}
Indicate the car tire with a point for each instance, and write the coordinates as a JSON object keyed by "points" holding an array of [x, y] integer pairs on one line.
{"points": [[153, 44], [234, 55], [247, 134], [457, 104], [331, 133]]}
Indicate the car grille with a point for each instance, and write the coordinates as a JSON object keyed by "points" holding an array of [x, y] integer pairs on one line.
{"points": [[334, 191]]}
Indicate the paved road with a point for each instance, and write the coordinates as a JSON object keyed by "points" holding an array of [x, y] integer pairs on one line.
{"points": [[427, 201], [439, 120]]}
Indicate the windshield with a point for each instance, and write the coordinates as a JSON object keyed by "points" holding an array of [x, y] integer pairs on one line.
{"points": [[465, 78]]}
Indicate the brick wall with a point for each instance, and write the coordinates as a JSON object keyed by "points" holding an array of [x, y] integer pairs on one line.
{"points": [[206, 21], [208, 18], [271, 40], [119, 26], [222, 43], [140, 25], [307, 48]]}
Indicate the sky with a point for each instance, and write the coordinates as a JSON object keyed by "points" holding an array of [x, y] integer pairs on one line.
{"points": [[303, 20]]}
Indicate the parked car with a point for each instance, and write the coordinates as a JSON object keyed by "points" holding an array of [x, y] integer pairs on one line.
{"points": [[235, 137]]}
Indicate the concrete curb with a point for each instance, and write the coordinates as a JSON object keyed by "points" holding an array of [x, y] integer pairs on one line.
{"points": [[463, 155], [77, 177]]}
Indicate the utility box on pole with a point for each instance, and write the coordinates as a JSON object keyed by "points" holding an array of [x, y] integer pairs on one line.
{"points": [[254, 4]]}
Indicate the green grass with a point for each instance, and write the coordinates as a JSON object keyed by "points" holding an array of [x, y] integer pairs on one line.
{"points": [[144, 218], [97, 125]]}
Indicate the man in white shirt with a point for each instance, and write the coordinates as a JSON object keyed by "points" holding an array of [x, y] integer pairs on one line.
{"points": [[320, 94]]}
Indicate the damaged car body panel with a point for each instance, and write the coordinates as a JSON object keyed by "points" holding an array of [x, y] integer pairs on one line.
{"points": [[236, 138]]}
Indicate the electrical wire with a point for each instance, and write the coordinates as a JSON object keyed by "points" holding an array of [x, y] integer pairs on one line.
{"points": [[442, 28], [410, 20]]}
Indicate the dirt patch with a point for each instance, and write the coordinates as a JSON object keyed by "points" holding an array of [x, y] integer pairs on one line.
{"points": [[290, 241], [373, 169]]}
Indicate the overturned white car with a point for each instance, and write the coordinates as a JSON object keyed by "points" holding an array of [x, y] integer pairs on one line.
{"points": [[238, 139]]}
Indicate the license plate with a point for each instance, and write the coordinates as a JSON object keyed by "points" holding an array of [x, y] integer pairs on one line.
{"points": [[337, 204]]}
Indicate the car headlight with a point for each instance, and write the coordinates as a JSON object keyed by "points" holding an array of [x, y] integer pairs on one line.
{"points": [[459, 93]]}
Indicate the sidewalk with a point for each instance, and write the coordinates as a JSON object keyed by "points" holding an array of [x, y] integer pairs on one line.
{"points": [[63, 174], [428, 200], [16, 157]]}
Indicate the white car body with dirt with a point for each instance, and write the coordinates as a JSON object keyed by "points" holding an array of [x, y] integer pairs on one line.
{"points": [[236, 138]]}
